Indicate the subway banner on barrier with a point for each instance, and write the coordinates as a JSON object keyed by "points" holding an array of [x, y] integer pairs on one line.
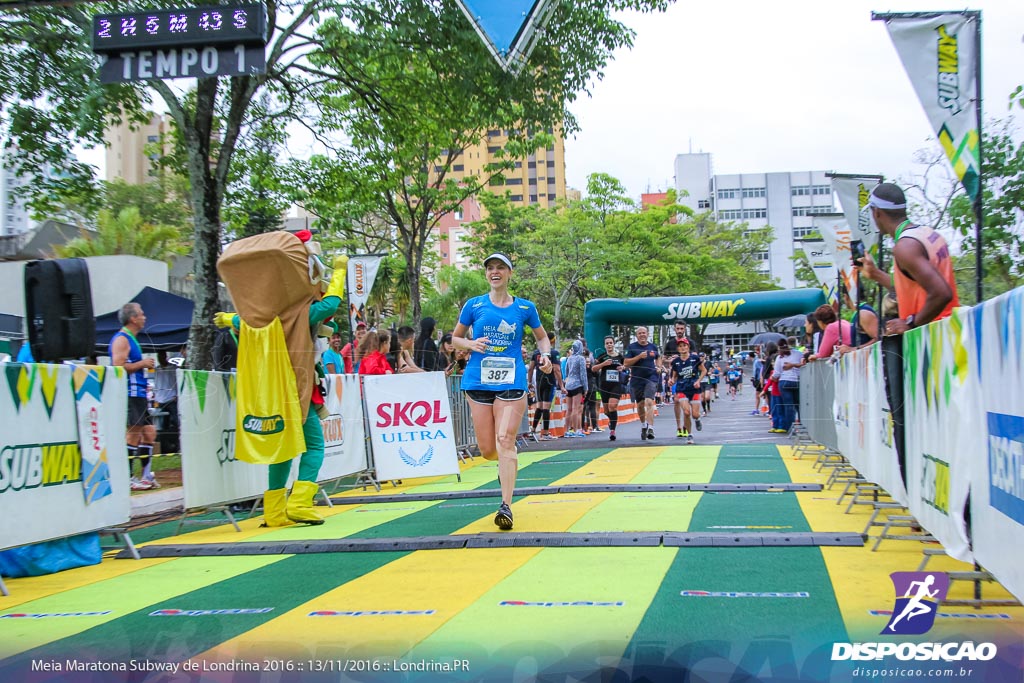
{"points": [[940, 437], [210, 473], [48, 488], [940, 53], [994, 335], [411, 425]]}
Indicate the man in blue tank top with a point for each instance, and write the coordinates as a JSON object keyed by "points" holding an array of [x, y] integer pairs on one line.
{"points": [[126, 352]]}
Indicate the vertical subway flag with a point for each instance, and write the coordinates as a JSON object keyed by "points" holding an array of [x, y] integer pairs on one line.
{"points": [[87, 382], [837, 235], [940, 54], [853, 194], [362, 271]]}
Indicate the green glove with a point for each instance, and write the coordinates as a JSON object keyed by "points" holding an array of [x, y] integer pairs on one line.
{"points": [[223, 319]]}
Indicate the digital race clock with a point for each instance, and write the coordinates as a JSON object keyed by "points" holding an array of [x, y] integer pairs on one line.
{"points": [[132, 31]]}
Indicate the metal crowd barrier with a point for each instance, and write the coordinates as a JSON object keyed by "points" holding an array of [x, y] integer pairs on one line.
{"points": [[462, 419], [817, 395]]}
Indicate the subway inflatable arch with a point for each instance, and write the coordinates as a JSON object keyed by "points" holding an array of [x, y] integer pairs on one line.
{"points": [[600, 314]]}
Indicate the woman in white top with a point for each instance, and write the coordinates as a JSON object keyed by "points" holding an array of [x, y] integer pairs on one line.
{"points": [[787, 367]]}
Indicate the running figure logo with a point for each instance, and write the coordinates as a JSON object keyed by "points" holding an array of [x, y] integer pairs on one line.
{"points": [[918, 595]]}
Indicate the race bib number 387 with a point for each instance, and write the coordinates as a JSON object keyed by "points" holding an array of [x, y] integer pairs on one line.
{"points": [[498, 371]]}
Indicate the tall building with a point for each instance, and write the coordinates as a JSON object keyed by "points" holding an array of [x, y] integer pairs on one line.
{"points": [[539, 179], [127, 156], [451, 232], [14, 215], [785, 201]]}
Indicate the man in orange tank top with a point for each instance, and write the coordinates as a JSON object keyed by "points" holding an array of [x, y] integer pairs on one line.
{"points": [[923, 274]]}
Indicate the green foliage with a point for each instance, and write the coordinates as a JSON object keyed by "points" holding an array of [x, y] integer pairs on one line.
{"points": [[1002, 235], [454, 288], [604, 246], [125, 233], [803, 270]]}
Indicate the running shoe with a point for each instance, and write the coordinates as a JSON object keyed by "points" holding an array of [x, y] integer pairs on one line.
{"points": [[689, 440], [699, 425], [598, 429], [679, 433], [777, 431], [153, 483], [650, 432], [754, 412], [140, 484], [686, 433], [503, 518], [611, 437], [643, 433]]}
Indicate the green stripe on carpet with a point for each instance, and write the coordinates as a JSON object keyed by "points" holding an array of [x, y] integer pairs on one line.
{"points": [[754, 632]]}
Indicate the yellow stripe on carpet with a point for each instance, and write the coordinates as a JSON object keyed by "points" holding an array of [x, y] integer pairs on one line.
{"points": [[30, 588], [442, 582], [545, 630], [860, 577], [656, 510], [130, 592]]}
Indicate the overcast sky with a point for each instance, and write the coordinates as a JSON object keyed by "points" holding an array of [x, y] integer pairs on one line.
{"points": [[792, 85]]}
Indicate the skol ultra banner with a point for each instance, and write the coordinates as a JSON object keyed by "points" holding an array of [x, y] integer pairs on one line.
{"points": [[48, 488], [411, 425], [362, 272], [940, 55]]}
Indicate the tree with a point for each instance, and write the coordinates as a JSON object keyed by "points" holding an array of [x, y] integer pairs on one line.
{"points": [[1002, 235], [52, 100], [436, 91], [940, 201], [605, 246], [454, 288], [125, 233]]}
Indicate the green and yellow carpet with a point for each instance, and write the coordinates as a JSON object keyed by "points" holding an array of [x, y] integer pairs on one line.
{"points": [[710, 612]]}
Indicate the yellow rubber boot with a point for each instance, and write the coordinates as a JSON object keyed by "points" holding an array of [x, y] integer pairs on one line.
{"points": [[274, 508], [300, 504]]}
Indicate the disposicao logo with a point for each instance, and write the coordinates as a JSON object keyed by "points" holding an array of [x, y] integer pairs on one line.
{"points": [[372, 613], [918, 595]]}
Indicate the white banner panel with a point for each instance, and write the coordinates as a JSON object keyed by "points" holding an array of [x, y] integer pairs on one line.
{"points": [[410, 425], [345, 450], [864, 422], [994, 337], [42, 492], [938, 440], [209, 472], [940, 54]]}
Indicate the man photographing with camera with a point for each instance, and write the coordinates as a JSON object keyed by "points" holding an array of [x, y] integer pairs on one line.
{"points": [[923, 276]]}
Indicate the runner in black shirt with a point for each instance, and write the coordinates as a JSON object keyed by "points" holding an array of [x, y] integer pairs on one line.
{"points": [[688, 372], [609, 367], [545, 384]]}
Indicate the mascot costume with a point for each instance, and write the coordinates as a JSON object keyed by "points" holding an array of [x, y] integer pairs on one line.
{"points": [[275, 281]]}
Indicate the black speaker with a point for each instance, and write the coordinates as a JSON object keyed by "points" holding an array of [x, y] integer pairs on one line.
{"points": [[58, 309]]}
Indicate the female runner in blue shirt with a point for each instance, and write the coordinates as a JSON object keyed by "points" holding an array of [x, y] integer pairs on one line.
{"points": [[495, 377]]}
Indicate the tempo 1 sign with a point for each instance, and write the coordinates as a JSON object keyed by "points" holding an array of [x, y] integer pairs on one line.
{"points": [[185, 62]]}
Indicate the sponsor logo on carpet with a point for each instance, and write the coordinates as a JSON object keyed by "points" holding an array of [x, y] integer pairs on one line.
{"points": [[743, 594], [208, 612], [763, 526], [49, 615], [944, 615], [577, 603], [372, 613], [918, 595]]}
